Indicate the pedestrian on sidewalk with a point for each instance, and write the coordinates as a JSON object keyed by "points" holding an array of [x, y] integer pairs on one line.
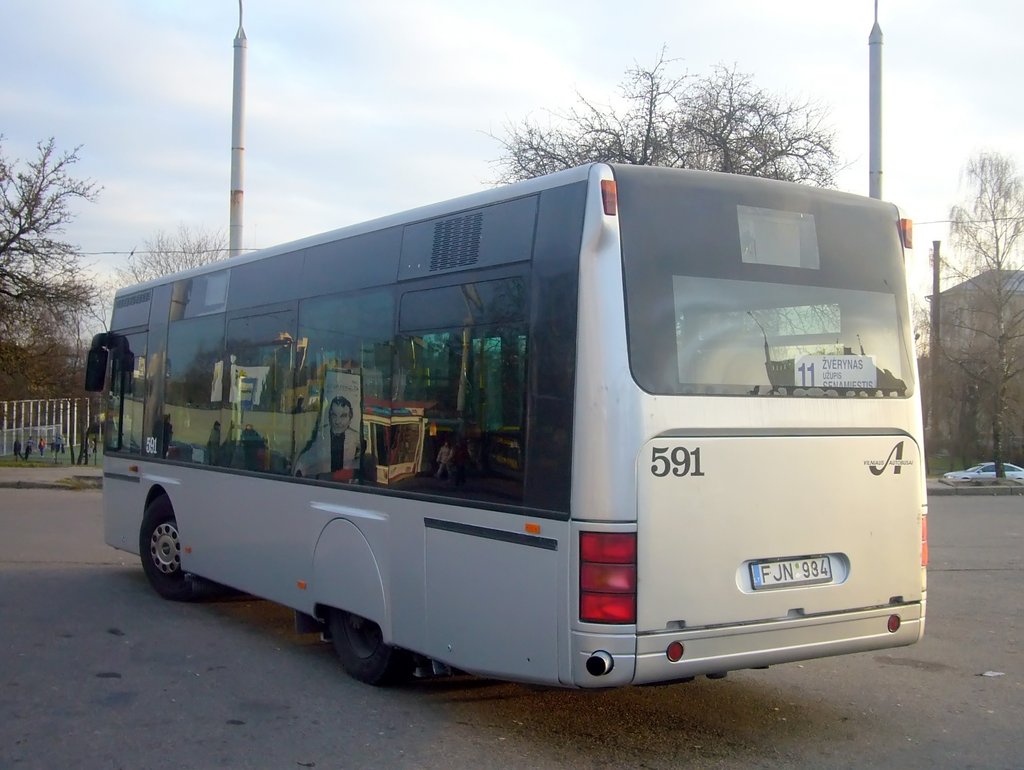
{"points": [[29, 446], [17, 449]]}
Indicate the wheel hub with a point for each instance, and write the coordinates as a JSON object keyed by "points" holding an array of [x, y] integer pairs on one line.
{"points": [[165, 549], [363, 636]]}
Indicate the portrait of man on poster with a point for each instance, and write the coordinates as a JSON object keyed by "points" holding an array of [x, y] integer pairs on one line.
{"points": [[334, 448]]}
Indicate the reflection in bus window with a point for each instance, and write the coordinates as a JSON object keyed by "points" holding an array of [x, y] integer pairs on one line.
{"points": [[126, 397], [468, 381], [343, 376], [192, 398], [258, 365], [805, 340]]}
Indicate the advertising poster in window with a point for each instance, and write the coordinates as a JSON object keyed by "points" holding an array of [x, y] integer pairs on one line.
{"points": [[334, 449]]}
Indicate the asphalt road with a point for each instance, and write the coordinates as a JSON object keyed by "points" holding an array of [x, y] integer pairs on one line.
{"points": [[97, 672]]}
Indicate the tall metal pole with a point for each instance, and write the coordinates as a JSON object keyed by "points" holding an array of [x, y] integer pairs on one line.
{"points": [[237, 139], [933, 340], [875, 109]]}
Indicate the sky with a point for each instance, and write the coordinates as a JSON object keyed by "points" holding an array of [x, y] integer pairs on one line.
{"points": [[357, 110]]}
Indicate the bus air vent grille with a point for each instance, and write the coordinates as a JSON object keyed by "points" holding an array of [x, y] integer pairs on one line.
{"points": [[456, 242], [133, 299]]}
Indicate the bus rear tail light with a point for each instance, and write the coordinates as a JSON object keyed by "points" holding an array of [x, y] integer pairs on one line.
{"points": [[608, 577]]}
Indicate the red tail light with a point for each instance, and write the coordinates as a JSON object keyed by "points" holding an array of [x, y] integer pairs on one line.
{"points": [[607, 577], [608, 547]]}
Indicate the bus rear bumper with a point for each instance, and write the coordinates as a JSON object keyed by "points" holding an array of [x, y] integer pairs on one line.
{"points": [[755, 645], [717, 650]]}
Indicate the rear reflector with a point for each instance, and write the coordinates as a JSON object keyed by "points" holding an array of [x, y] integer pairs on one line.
{"points": [[924, 541], [674, 651], [608, 577]]}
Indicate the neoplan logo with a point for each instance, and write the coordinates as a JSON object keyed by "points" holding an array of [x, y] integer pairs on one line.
{"points": [[895, 459]]}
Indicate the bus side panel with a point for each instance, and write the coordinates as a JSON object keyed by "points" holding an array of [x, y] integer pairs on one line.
{"points": [[124, 502], [492, 605], [254, 534]]}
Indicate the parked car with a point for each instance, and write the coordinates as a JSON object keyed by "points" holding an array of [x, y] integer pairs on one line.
{"points": [[985, 471]]}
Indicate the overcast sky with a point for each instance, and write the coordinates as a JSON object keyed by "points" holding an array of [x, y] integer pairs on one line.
{"points": [[361, 109]]}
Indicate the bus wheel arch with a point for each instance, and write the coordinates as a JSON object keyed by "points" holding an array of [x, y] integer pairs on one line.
{"points": [[351, 600], [160, 549], [346, 574]]}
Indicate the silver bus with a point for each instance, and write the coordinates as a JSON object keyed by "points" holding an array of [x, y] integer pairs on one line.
{"points": [[611, 426]]}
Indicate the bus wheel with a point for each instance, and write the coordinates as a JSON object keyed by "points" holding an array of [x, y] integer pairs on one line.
{"points": [[363, 653], [160, 551]]}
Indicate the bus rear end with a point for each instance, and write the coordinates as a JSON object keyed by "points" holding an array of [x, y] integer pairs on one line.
{"points": [[748, 480]]}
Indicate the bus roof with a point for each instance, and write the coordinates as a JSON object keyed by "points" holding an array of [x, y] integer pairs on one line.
{"points": [[430, 211]]}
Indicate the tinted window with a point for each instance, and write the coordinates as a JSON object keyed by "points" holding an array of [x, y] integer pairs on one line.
{"points": [[461, 382], [126, 397], [256, 375], [750, 287], [343, 387], [192, 399]]}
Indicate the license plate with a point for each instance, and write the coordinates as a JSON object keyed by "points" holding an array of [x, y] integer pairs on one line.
{"points": [[785, 573]]}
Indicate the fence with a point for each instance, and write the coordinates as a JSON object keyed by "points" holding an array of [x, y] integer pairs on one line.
{"points": [[67, 419]]}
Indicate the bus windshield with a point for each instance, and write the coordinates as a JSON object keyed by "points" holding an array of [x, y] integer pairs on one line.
{"points": [[742, 291]]}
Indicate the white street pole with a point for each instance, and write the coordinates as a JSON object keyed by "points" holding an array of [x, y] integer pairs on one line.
{"points": [[237, 139], [875, 109]]}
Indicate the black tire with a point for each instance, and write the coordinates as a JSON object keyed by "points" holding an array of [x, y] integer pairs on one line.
{"points": [[364, 655], [160, 552]]}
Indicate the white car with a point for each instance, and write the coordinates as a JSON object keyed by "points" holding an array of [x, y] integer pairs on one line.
{"points": [[985, 471]]}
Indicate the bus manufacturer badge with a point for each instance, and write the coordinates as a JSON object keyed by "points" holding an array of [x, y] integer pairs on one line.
{"points": [[895, 459]]}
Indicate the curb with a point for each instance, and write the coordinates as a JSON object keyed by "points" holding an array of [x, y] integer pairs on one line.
{"points": [[974, 491], [74, 484]]}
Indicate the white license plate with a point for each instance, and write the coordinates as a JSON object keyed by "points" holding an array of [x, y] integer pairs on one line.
{"points": [[784, 573]]}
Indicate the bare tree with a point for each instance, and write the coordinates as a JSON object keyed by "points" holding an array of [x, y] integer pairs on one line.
{"points": [[735, 127], [985, 312], [719, 122], [172, 253], [41, 288]]}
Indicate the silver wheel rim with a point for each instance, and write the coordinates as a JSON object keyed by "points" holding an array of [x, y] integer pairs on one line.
{"points": [[165, 548]]}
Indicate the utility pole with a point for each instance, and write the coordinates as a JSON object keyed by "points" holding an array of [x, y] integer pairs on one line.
{"points": [[237, 139], [933, 342], [875, 109]]}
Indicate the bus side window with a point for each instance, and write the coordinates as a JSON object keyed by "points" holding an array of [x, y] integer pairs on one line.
{"points": [[125, 396], [343, 382], [192, 394], [463, 354], [259, 416]]}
